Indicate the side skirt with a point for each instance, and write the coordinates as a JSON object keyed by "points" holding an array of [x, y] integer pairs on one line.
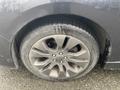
{"points": [[112, 65]]}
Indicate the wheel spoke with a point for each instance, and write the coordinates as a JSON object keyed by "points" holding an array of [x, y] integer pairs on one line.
{"points": [[38, 53], [81, 58], [71, 43], [81, 52], [60, 40], [81, 63], [81, 55], [69, 68], [48, 69], [41, 63], [61, 68], [40, 46]]}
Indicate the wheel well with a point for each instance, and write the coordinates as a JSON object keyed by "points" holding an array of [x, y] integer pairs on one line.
{"points": [[97, 31]]}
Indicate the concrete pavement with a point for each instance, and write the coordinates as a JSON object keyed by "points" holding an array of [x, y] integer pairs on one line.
{"points": [[98, 79]]}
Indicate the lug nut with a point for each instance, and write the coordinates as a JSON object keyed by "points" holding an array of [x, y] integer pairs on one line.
{"points": [[54, 55], [61, 61], [65, 57], [61, 53]]}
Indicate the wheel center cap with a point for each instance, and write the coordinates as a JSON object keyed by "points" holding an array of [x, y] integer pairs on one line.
{"points": [[59, 57]]}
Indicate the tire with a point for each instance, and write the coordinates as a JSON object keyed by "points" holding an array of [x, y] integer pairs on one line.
{"points": [[55, 29]]}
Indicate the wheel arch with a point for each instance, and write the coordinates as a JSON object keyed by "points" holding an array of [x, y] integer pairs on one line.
{"points": [[99, 33]]}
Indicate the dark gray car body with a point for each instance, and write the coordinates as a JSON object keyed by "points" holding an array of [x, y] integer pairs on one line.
{"points": [[15, 14]]}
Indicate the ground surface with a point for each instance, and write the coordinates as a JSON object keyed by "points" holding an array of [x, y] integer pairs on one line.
{"points": [[98, 79]]}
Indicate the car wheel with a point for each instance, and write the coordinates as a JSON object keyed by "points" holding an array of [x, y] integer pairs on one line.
{"points": [[59, 51]]}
